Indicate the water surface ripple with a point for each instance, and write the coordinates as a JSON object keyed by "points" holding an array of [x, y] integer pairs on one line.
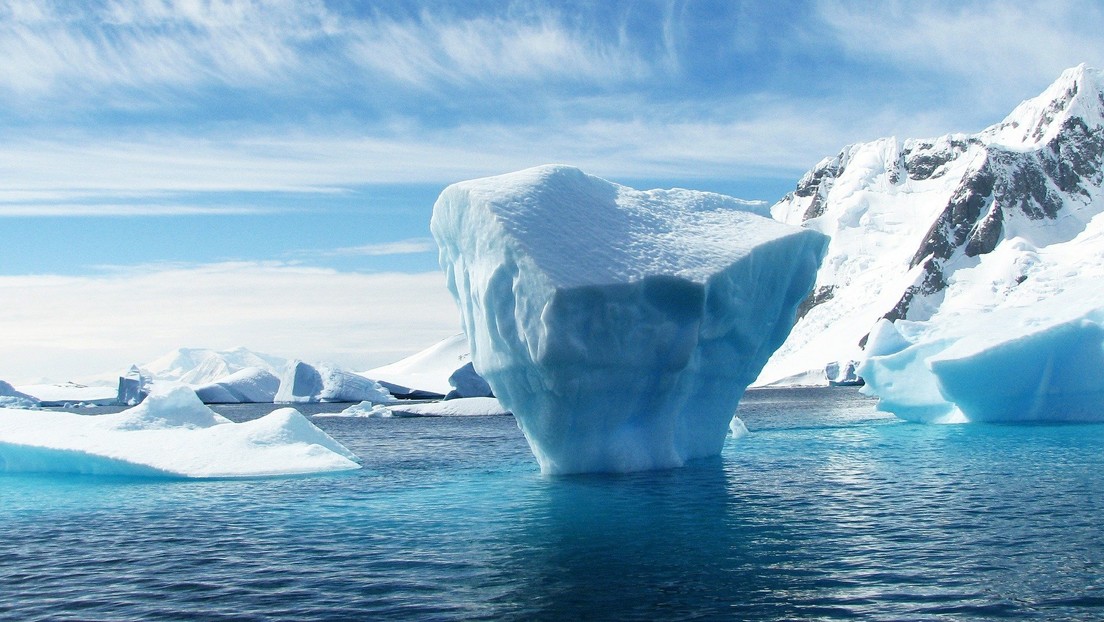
{"points": [[827, 510]]}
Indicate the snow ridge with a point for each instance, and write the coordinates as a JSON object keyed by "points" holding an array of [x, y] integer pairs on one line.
{"points": [[919, 226]]}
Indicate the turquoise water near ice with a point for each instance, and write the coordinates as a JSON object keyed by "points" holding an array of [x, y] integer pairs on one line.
{"points": [[827, 510]]}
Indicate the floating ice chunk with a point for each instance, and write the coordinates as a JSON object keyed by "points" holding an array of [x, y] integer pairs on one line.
{"points": [[737, 428], [619, 326], [1042, 363], [459, 407], [170, 434], [466, 382], [303, 382], [250, 385], [363, 409]]}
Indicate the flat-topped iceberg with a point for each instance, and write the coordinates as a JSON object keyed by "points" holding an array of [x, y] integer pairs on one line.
{"points": [[619, 326], [170, 434]]}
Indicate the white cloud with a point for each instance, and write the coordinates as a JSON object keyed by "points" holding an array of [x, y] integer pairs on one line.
{"points": [[154, 47], [64, 210], [71, 326], [538, 46], [1003, 51], [398, 247]]}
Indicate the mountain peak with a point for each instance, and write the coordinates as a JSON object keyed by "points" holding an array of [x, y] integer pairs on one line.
{"points": [[1076, 94]]}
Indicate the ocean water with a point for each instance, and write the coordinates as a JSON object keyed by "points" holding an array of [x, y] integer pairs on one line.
{"points": [[827, 510]]}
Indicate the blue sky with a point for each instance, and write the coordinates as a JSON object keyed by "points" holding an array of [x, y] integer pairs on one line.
{"points": [[206, 173]]}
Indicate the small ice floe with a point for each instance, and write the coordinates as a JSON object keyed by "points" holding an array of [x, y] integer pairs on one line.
{"points": [[171, 434]]}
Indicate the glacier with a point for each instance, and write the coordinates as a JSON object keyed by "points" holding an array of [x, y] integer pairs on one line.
{"points": [[619, 326], [170, 434], [929, 229]]}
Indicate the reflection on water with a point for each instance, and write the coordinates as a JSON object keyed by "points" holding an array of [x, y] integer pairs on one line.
{"points": [[827, 509]]}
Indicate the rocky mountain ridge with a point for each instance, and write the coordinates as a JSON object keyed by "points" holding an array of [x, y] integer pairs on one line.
{"points": [[909, 218]]}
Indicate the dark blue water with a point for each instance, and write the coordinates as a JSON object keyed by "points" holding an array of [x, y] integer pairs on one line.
{"points": [[826, 510]]}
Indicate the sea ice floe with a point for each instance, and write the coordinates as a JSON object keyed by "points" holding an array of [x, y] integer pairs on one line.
{"points": [[171, 434]]}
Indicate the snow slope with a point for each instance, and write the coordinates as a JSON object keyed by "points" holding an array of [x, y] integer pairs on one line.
{"points": [[951, 226], [427, 371], [200, 366], [572, 289], [171, 434]]}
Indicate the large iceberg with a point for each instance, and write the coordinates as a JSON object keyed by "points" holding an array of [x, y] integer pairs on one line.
{"points": [[619, 326], [248, 385], [303, 382], [1039, 363], [171, 434]]}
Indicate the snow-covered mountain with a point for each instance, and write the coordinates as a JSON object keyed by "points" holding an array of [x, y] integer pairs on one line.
{"points": [[951, 225], [200, 366]]}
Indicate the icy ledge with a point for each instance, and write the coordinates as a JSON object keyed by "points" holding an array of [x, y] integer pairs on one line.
{"points": [[619, 326], [171, 434]]}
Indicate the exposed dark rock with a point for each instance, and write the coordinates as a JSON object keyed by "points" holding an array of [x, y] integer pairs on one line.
{"points": [[933, 282], [954, 225], [987, 234], [923, 161], [819, 295]]}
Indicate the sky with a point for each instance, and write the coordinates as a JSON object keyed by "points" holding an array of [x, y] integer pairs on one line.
{"points": [[261, 173]]}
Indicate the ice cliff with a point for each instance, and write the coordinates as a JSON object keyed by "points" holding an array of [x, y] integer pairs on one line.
{"points": [[619, 326]]}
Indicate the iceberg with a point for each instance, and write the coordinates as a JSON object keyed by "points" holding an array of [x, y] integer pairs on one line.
{"points": [[466, 382], [303, 382], [170, 434], [133, 387], [10, 398], [1040, 363], [251, 385], [426, 374], [619, 326]]}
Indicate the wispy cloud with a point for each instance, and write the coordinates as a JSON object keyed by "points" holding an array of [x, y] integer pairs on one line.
{"points": [[141, 53], [398, 247], [1004, 51], [98, 210], [537, 45], [68, 327]]}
